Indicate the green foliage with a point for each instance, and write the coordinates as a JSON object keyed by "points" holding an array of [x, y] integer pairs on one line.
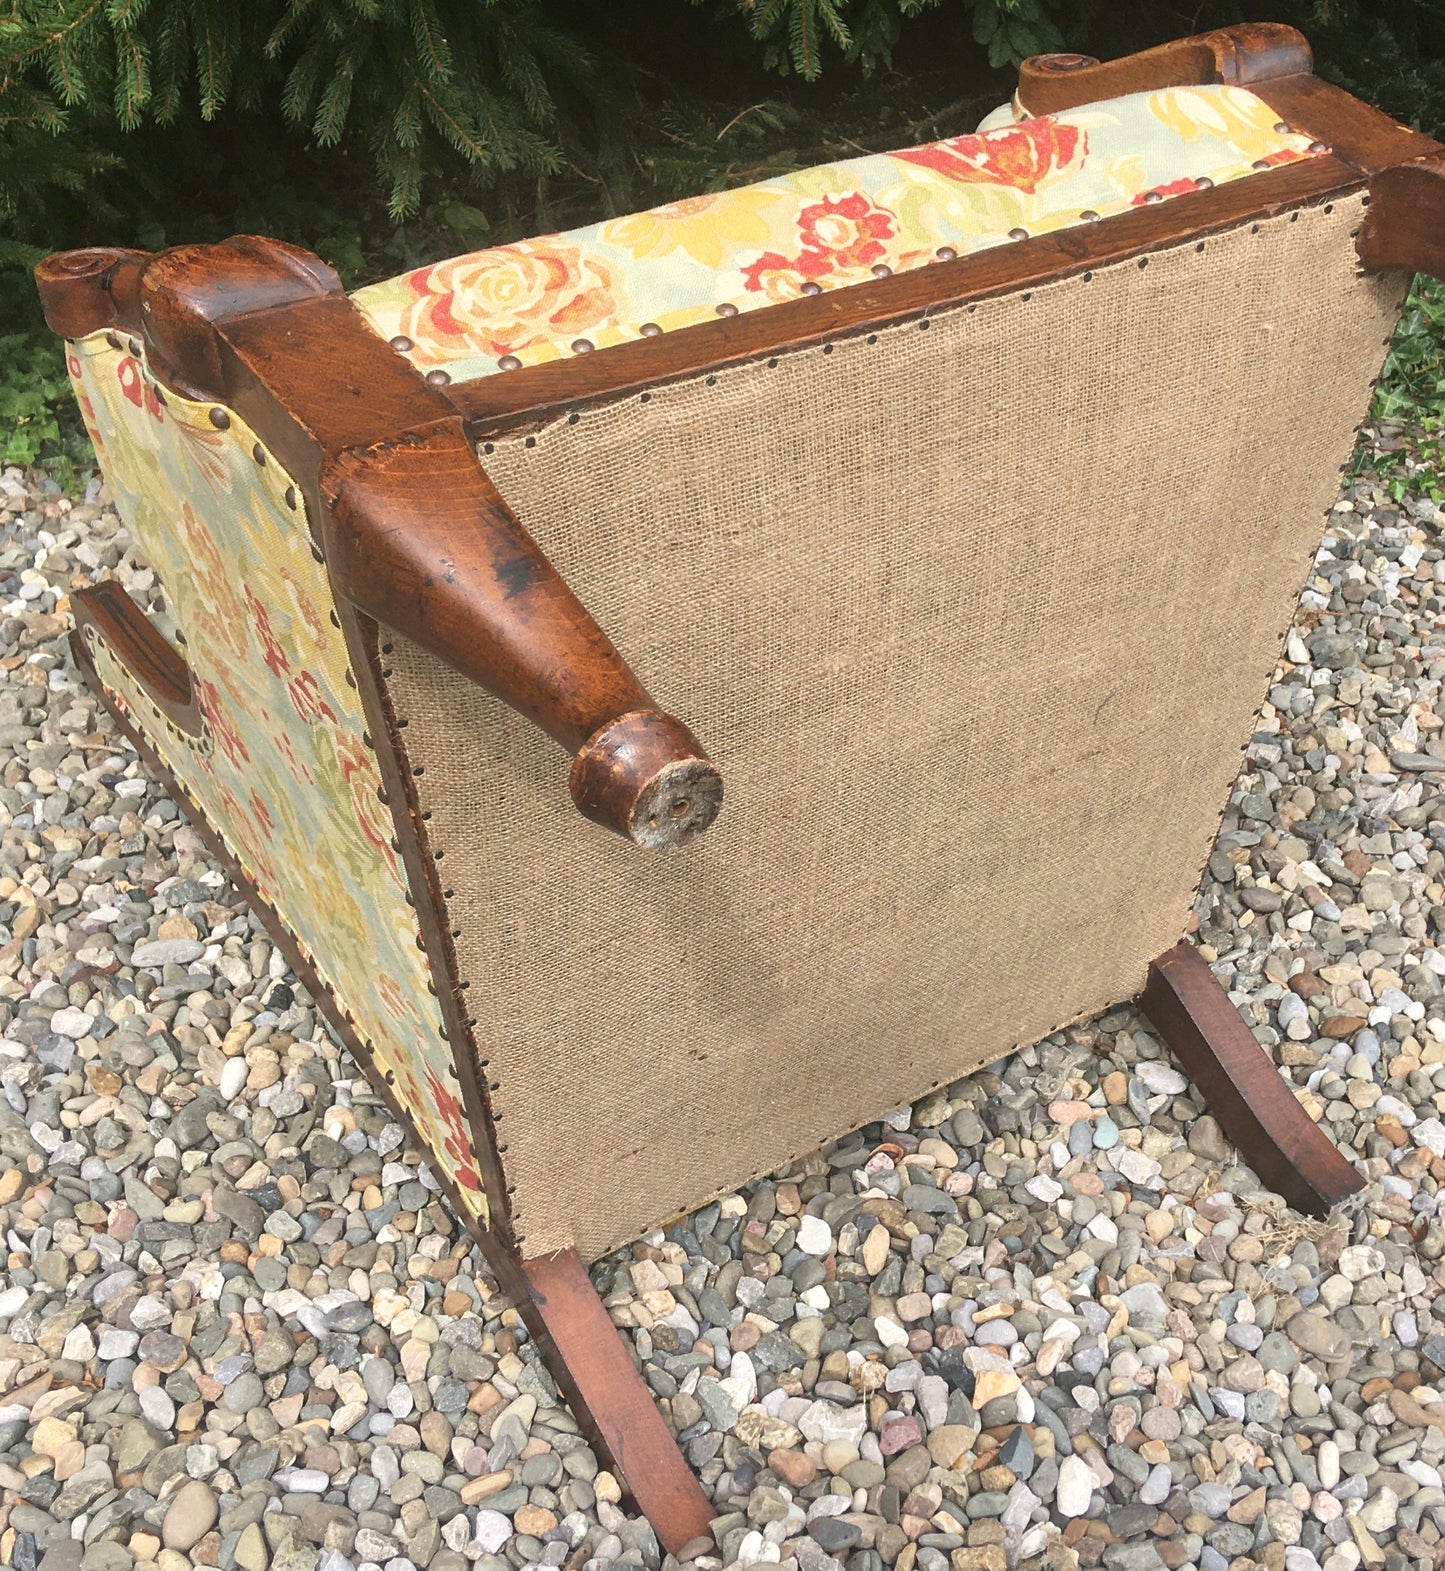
{"points": [[797, 34], [1411, 393], [39, 422], [481, 78]]}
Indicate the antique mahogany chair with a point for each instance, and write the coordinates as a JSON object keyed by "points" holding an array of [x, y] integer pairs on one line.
{"points": [[944, 509]]}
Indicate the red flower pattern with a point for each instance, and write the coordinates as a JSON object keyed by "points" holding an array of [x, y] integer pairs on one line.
{"points": [[840, 235], [457, 1143], [273, 654], [1022, 156], [135, 387], [216, 712], [306, 699]]}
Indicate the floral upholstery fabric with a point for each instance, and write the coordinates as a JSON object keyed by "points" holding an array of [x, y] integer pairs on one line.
{"points": [[839, 224], [285, 773]]}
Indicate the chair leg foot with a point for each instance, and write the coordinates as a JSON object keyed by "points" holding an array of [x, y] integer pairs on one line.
{"points": [[1256, 1109], [609, 1399]]}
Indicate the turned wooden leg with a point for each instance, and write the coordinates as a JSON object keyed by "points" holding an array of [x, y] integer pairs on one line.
{"points": [[596, 1374], [1256, 1108]]}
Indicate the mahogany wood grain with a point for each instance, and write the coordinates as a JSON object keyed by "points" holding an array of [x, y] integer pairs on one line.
{"points": [[418, 537], [86, 291], [598, 1378], [1256, 1109], [1405, 226], [164, 677], [1250, 53], [1363, 137], [187, 291]]}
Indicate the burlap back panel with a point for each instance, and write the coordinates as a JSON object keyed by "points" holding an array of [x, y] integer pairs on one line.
{"points": [[975, 621]]}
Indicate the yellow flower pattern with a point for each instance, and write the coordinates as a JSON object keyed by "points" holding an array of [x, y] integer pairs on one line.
{"points": [[824, 228], [285, 774]]}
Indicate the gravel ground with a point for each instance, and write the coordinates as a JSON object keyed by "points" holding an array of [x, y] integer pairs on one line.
{"points": [[1040, 1318]]}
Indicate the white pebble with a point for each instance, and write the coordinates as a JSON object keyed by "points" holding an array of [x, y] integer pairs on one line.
{"points": [[815, 1237], [233, 1077], [1075, 1488]]}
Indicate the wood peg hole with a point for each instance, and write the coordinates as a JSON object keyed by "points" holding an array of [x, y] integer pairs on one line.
{"points": [[680, 809]]}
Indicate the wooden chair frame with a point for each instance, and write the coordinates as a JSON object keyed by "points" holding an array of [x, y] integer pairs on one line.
{"points": [[415, 538]]}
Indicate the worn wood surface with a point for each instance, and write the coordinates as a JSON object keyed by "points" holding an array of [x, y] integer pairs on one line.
{"points": [[1255, 1108], [164, 677], [86, 291], [599, 1378], [1405, 226], [1243, 55], [1363, 137], [417, 537]]}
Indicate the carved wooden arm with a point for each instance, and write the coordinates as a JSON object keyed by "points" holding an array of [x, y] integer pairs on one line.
{"points": [[1254, 52], [1405, 224], [418, 537], [414, 533]]}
